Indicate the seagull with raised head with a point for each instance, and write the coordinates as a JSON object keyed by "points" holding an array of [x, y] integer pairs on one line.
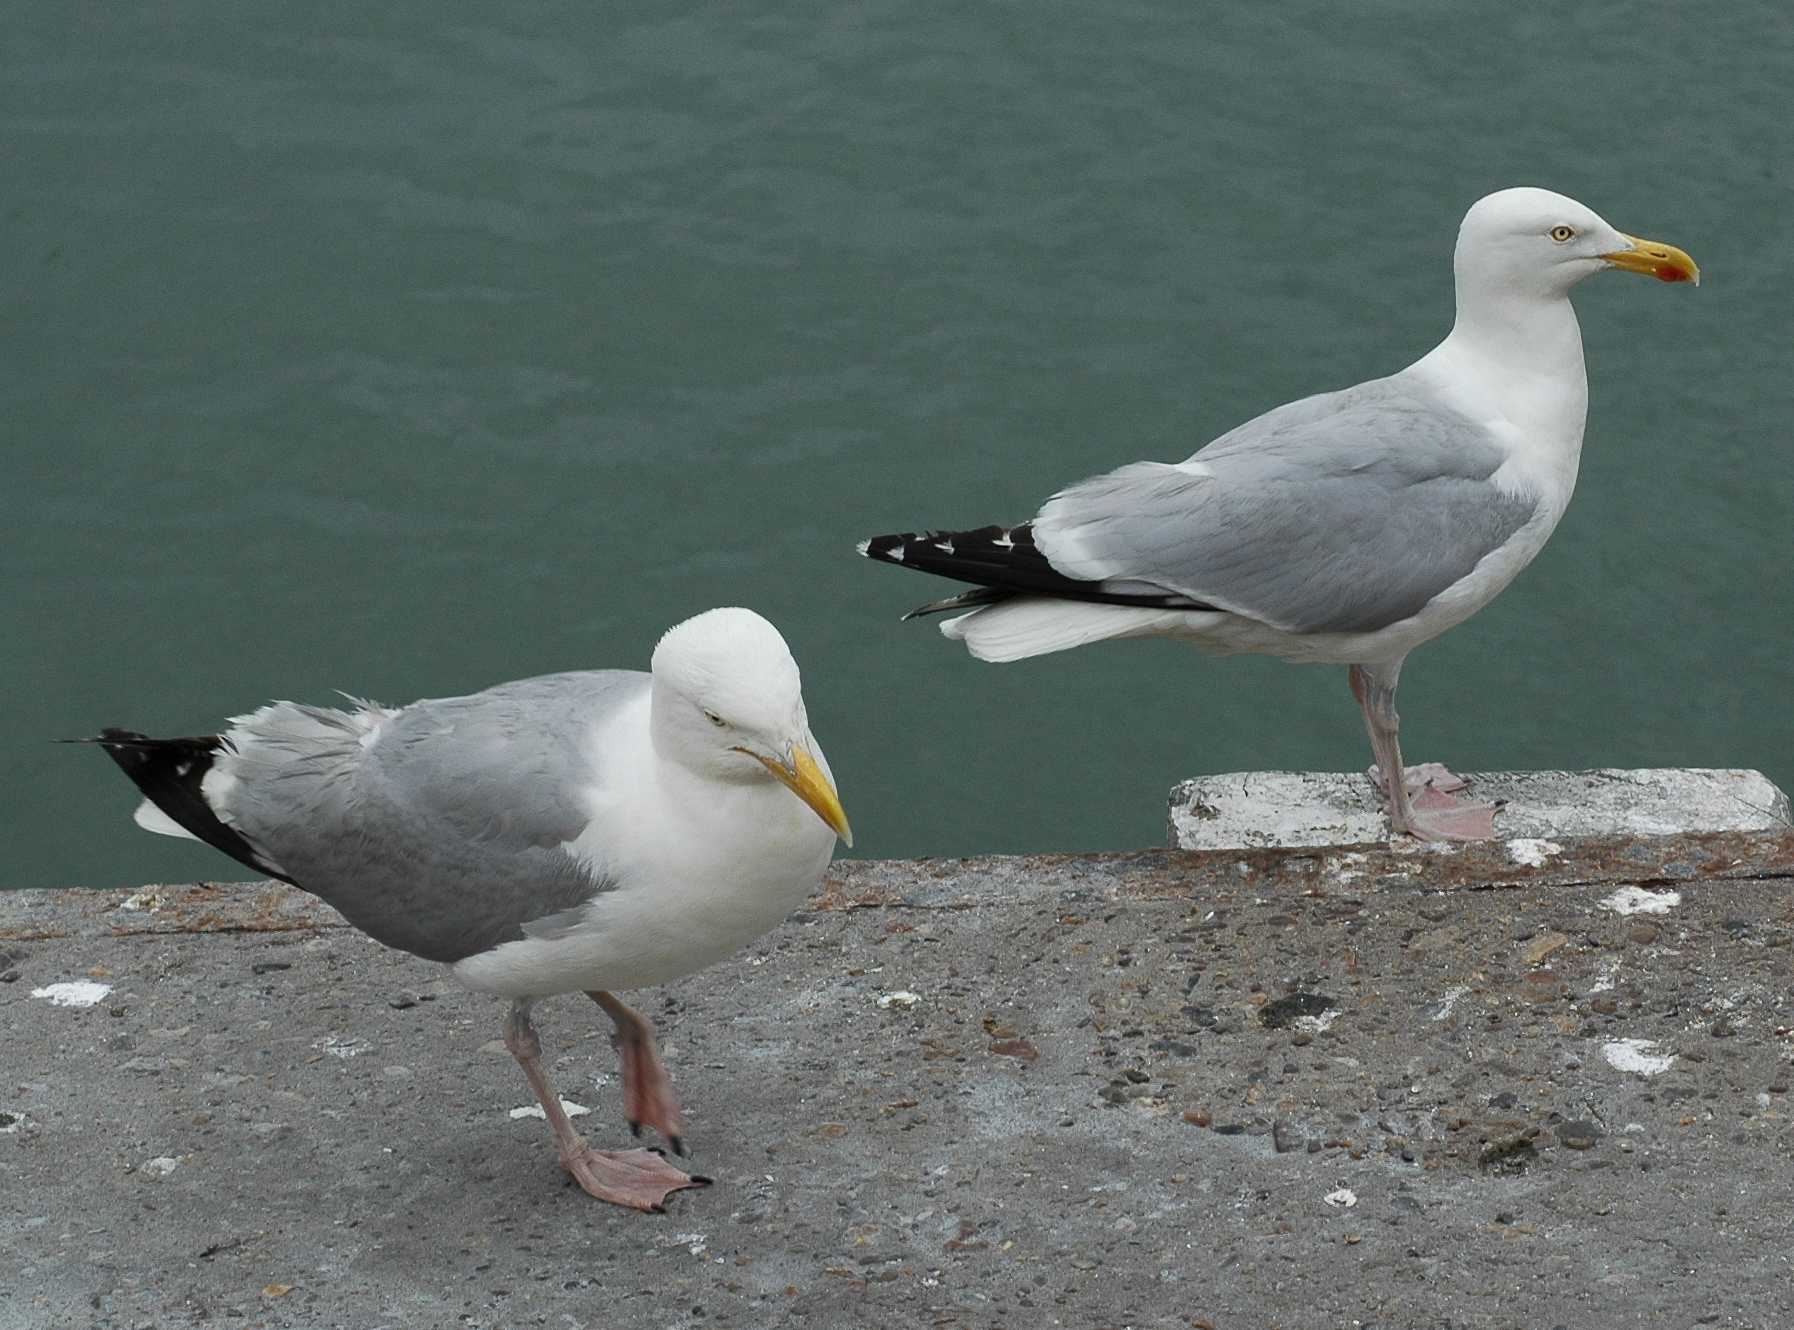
{"points": [[1345, 528], [579, 832]]}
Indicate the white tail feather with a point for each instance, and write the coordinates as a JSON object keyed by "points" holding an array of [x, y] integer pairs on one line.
{"points": [[1017, 629], [151, 818]]}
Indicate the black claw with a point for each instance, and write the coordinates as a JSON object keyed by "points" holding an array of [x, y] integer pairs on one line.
{"points": [[702, 1181], [656, 1150], [678, 1143], [635, 1128]]}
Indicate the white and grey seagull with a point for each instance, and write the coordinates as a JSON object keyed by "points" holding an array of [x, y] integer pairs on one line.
{"points": [[580, 832], [1345, 528]]}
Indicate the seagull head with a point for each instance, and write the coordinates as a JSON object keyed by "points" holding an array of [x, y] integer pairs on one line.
{"points": [[729, 705], [1533, 242]]}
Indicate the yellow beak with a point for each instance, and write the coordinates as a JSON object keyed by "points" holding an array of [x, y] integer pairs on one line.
{"points": [[805, 779], [1664, 262]]}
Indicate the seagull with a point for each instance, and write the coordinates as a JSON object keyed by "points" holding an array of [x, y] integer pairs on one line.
{"points": [[1345, 528], [578, 832]]}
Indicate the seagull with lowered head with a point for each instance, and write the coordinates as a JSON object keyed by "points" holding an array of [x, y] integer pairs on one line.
{"points": [[1346, 528], [580, 832]]}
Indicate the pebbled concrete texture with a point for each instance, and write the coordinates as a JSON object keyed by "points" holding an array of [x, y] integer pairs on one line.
{"points": [[1364, 1086]]}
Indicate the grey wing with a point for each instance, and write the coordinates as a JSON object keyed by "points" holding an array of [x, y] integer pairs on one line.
{"points": [[1341, 513], [440, 828]]}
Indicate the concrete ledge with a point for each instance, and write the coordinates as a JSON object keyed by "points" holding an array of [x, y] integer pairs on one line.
{"points": [[1273, 1087], [1262, 808]]}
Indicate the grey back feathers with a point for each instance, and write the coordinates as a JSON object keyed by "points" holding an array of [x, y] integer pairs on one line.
{"points": [[1344, 512], [444, 834]]}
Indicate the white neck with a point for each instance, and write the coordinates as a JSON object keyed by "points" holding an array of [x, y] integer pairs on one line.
{"points": [[1515, 365], [1525, 352]]}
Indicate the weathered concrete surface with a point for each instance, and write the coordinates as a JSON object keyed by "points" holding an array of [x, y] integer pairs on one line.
{"points": [[1258, 808], [1129, 1090]]}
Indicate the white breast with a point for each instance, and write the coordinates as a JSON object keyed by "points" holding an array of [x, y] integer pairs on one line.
{"points": [[695, 869]]}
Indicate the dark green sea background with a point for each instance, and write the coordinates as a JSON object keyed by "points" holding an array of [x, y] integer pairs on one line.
{"points": [[405, 348]]}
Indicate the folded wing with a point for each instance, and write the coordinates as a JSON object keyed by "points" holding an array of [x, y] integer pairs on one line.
{"points": [[1342, 513], [439, 828]]}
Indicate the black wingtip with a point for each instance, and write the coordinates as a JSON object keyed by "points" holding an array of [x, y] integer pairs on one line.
{"points": [[890, 549], [171, 774], [112, 738], [1001, 563], [965, 600], [936, 552]]}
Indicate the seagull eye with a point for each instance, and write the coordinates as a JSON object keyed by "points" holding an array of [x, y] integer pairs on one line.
{"points": [[1563, 233], [714, 719]]}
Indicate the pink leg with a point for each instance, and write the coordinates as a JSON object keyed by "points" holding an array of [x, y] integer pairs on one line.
{"points": [[639, 1179], [648, 1098], [1425, 776], [1420, 801]]}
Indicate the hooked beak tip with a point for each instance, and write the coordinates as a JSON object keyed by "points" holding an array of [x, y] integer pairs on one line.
{"points": [[1653, 258], [799, 772]]}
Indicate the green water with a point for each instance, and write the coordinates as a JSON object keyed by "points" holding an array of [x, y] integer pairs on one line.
{"points": [[407, 348]]}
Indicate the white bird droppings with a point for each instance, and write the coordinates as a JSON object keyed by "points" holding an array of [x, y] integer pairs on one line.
{"points": [[1343, 1199], [1451, 999], [144, 898], [901, 998], [75, 993], [1639, 900], [1639, 1056], [1533, 853], [344, 1048], [161, 1166], [568, 1107]]}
